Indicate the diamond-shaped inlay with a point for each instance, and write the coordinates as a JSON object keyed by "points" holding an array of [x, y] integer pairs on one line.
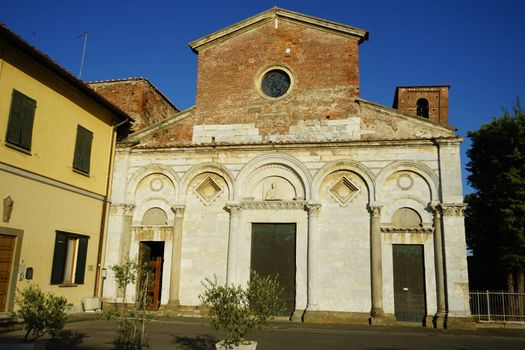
{"points": [[343, 190], [208, 190]]}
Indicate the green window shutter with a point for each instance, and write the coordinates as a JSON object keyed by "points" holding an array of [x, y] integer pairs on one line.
{"points": [[59, 258], [77, 158], [21, 118], [15, 121], [86, 151], [82, 156], [81, 260], [28, 117]]}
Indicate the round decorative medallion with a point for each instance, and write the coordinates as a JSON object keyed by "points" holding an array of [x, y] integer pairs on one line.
{"points": [[156, 184], [275, 83], [405, 182]]}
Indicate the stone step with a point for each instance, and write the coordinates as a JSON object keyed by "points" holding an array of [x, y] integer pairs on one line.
{"points": [[9, 322]]}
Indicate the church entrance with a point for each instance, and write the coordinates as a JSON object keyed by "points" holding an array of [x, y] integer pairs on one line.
{"points": [[152, 254], [409, 283], [273, 253]]}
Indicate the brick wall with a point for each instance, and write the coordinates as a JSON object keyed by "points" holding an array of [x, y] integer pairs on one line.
{"points": [[437, 97], [138, 98], [324, 66]]}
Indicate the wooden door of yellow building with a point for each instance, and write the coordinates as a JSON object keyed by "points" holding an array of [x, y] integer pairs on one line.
{"points": [[7, 245]]}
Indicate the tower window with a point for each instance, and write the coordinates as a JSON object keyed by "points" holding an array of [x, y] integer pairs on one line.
{"points": [[422, 108]]}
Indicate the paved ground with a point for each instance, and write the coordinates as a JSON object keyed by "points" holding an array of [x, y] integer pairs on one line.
{"points": [[193, 334]]}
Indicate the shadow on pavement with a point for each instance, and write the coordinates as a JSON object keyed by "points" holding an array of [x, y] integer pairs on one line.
{"points": [[67, 340], [200, 342]]}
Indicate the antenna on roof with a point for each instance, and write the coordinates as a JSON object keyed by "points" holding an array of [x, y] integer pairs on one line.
{"points": [[85, 35]]}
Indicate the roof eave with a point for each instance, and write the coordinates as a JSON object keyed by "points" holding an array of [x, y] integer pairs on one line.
{"points": [[15, 40]]}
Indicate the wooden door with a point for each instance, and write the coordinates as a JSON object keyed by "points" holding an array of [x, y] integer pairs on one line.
{"points": [[151, 254], [273, 253], [7, 245], [154, 288], [409, 283]]}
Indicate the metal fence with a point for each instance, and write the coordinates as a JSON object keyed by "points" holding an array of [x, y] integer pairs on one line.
{"points": [[495, 306]]}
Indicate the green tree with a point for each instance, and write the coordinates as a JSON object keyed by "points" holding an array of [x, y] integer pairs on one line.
{"points": [[495, 216]]}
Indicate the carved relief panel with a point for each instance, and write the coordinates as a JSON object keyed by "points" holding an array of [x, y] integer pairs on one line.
{"points": [[406, 183], [208, 189], [155, 185], [342, 188], [274, 182]]}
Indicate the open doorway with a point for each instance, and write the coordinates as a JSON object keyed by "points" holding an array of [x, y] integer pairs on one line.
{"points": [[152, 254]]}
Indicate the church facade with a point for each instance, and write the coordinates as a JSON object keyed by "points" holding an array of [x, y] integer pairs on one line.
{"points": [[282, 168]]}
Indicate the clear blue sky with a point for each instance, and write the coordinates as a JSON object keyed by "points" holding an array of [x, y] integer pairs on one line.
{"points": [[477, 47]]}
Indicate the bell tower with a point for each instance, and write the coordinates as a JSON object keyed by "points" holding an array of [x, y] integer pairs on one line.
{"points": [[428, 102]]}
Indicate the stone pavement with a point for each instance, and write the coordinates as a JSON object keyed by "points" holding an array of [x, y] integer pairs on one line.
{"points": [[194, 334]]}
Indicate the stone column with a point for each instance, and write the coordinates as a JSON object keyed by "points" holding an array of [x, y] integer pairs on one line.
{"points": [[235, 222], [176, 248], [377, 313], [440, 316], [313, 262]]}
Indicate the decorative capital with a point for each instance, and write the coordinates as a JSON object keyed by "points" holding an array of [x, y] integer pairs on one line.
{"points": [[178, 210], [128, 209], [435, 208], [453, 209], [374, 209], [313, 209], [233, 208]]}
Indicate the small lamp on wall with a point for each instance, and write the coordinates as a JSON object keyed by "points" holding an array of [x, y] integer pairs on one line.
{"points": [[104, 273]]}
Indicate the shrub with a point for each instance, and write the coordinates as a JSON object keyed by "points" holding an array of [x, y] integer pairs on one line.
{"points": [[241, 312], [131, 322], [42, 312]]}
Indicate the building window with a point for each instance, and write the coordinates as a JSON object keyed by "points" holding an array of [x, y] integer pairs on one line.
{"points": [[20, 124], [82, 157], [69, 259], [422, 107], [275, 82]]}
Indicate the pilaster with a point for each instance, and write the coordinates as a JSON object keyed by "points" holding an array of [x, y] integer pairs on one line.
{"points": [[176, 250]]}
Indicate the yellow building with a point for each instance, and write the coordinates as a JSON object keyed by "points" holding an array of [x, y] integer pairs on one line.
{"points": [[58, 138]]}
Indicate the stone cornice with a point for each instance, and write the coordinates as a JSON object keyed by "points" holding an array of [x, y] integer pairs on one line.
{"points": [[287, 145]]}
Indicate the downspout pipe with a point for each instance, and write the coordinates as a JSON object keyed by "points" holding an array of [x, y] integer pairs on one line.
{"points": [[105, 203]]}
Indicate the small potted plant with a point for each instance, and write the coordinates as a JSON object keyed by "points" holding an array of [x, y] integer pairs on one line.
{"points": [[239, 313]]}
